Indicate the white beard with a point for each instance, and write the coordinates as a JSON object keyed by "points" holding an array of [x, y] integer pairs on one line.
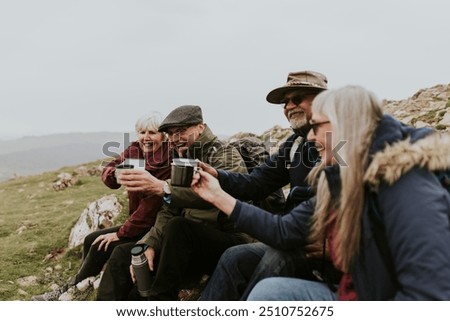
{"points": [[297, 123]]}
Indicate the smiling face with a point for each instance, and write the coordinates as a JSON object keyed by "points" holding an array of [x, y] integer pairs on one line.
{"points": [[297, 108], [150, 140], [183, 137], [321, 134]]}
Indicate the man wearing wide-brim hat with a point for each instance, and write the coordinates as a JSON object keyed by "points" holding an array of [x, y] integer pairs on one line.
{"points": [[242, 266], [296, 96]]}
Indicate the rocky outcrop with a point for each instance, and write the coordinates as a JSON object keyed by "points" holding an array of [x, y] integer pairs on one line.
{"points": [[97, 215], [428, 107], [66, 180]]}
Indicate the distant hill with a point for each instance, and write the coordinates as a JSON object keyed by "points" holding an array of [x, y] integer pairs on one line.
{"points": [[32, 155], [37, 154]]}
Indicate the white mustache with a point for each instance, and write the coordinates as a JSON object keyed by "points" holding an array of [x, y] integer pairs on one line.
{"points": [[295, 111]]}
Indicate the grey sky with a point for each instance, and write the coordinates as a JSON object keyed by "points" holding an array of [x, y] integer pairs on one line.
{"points": [[97, 65]]}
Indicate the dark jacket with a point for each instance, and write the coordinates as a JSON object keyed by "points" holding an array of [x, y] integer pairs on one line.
{"points": [[277, 172], [415, 212], [142, 208]]}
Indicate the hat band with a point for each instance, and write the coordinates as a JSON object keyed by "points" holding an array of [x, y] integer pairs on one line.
{"points": [[302, 83]]}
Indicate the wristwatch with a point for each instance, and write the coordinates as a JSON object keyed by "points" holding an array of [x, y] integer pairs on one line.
{"points": [[166, 188], [167, 198]]}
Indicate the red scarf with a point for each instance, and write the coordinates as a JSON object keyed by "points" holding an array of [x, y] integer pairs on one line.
{"points": [[346, 290]]}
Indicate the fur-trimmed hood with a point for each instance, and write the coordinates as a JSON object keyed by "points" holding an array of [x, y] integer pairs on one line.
{"points": [[418, 147]]}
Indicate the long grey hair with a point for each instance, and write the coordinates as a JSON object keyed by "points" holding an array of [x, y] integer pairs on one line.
{"points": [[354, 113]]}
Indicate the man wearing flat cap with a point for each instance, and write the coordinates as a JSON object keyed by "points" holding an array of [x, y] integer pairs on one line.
{"points": [[186, 240], [242, 266]]}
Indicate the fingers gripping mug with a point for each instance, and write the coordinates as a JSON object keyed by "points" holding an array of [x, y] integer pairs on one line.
{"points": [[130, 163], [182, 171]]}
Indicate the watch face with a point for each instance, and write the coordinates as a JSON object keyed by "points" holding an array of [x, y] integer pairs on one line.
{"points": [[166, 188]]}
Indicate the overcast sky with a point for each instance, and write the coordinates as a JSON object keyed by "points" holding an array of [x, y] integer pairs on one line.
{"points": [[97, 65]]}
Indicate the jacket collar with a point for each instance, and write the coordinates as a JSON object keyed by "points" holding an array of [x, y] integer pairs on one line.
{"points": [[202, 144], [397, 148], [390, 131]]}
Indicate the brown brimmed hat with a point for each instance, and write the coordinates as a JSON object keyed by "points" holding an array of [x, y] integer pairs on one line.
{"points": [[309, 81], [182, 116]]}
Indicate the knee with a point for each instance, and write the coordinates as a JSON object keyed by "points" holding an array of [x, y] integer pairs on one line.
{"points": [[230, 254], [263, 290], [90, 238], [120, 255], [175, 227], [290, 289], [237, 253], [228, 258]]}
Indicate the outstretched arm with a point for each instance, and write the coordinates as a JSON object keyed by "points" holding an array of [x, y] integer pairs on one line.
{"points": [[208, 188], [280, 231]]}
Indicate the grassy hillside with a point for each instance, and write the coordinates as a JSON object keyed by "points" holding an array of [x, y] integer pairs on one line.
{"points": [[36, 220]]}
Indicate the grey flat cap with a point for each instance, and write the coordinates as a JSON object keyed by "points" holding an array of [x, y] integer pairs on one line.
{"points": [[182, 116]]}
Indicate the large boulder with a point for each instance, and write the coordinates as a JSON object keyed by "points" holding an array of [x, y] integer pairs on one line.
{"points": [[97, 215]]}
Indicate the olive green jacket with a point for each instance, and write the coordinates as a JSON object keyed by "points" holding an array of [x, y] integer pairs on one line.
{"points": [[186, 203]]}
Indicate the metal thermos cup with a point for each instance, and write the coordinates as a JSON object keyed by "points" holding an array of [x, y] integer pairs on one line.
{"points": [[182, 171], [141, 269]]}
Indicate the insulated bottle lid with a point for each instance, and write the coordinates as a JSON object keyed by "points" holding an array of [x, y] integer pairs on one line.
{"points": [[138, 249]]}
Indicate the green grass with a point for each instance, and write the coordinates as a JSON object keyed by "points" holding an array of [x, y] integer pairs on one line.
{"points": [[48, 217]]}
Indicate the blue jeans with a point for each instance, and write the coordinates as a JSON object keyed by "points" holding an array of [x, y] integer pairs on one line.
{"points": [[241, 267], [233, 272], [290, 289]]}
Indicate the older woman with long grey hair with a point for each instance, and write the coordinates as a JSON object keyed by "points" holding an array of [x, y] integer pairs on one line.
{"points": [[380, 209]]}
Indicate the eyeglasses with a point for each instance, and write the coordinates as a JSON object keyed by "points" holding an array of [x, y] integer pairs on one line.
{"points": [[315, 126], [176, 131], [296, 99]]}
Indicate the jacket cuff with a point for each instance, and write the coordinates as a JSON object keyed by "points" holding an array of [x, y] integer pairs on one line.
{"points": [[236, 211], [222, 176]]}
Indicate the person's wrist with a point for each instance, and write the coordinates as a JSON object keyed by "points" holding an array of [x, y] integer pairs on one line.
{"points": [[166, 193], [166, 188], [224, 201], [219, 196], [163, 188]]}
